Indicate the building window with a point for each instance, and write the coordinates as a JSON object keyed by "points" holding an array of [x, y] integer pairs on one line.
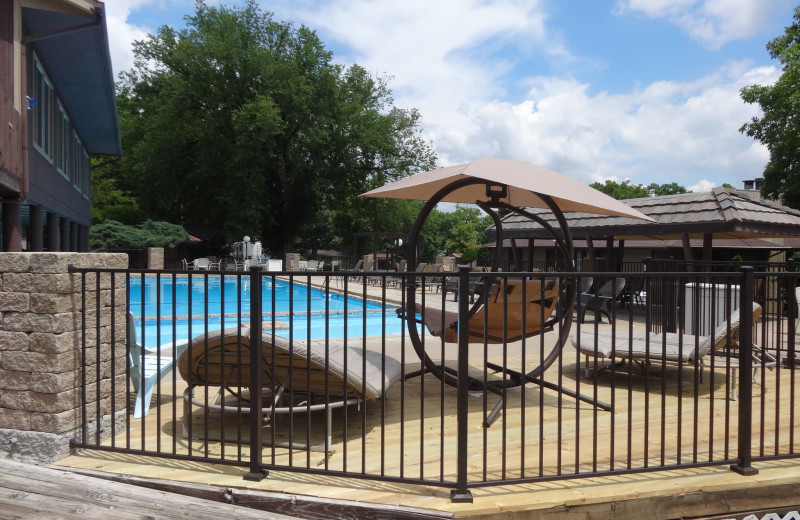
{"points": [[43, 111], [54, 136], [63, 135]]}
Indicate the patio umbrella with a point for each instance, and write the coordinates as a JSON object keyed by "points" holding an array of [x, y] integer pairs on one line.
{"points": [[523, 182]]}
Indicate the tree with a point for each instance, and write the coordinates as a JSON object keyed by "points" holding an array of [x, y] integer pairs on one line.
{"points": [[626, 190], [779, 126], [666, 189], [620, 191], [111, 235], [240, 124]]}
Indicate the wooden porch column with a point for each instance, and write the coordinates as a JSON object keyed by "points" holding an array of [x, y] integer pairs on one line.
{"points": [[52, 232], [35, 229], [64, 232], [73, 236], [12, 227]]}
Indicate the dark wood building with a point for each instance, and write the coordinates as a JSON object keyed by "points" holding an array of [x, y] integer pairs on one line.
{"points": [[708, 226], [57, 107]]}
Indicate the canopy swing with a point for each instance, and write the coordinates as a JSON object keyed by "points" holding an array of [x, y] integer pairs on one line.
{"points": [[509, 308]]}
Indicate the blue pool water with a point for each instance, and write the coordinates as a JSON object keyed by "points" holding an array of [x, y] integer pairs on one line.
{"points": [[198, 301]]}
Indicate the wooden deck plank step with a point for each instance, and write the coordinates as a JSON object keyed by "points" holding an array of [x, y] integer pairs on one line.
{"points": [[33, 492]]}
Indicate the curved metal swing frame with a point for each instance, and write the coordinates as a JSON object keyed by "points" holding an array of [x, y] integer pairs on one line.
{"points": [[563, 239]]}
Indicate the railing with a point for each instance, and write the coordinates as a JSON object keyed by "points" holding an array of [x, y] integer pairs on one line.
{"points": [[371, 398]]}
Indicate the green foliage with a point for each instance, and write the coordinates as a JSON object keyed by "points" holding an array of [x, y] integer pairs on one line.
{"points": [[666, 189], [460, 231], [779, 127], [726, 185], [110, 235], [620, 191], [241, 124], [108, 200], [626, 190]]}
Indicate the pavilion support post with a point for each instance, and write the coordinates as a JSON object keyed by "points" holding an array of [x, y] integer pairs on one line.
{"points": [[744, 466], [514, 254], [707, 241], [687, 252]]}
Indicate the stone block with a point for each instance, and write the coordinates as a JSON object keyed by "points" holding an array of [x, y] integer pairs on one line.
{"points": [[17, 282], [41, 402], [14, 262], [50, 263], [36, 362], [51, 303], [14, 301], [15, 419], [49, 343], [15, 380], [56, 422], [18, 341], [56, 283], [46, 383], [30, 322]]}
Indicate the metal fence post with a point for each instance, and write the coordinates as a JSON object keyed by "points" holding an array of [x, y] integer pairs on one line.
{"points": [[744, 466], [461, 493], [256, 411]]}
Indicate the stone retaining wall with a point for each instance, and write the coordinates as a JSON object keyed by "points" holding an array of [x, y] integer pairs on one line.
{"points": [[41, 355]]}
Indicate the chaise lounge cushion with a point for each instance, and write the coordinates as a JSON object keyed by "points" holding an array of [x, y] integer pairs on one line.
{"points": [[222, 358]]}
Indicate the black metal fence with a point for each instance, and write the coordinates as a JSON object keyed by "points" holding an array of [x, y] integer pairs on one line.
{"points": [[669, 369]]}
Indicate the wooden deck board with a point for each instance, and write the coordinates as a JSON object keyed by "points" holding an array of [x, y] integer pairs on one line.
{"points": [[33, 492]]}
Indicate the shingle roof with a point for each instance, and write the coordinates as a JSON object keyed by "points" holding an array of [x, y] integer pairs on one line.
{"points": [[724, 212]]}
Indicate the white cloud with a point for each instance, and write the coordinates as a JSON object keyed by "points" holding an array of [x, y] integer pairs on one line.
{"points": [[449, 59], [713, 22], [703, 186], [665, 132], [122, 33]]}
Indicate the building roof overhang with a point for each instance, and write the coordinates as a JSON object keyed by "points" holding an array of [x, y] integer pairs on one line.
{"points": [[722, 213], [73, 47]]}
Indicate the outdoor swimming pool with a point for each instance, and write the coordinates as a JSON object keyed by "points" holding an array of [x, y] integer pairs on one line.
{"points": [[185, 305]]}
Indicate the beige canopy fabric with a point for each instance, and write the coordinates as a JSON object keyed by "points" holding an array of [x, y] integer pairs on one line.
{"points": [[524, 181]]}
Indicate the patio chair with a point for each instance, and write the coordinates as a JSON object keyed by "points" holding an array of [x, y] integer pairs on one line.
{"points": [[312, 265], [200, 263], [673, 349], [602, 302], [502, 314], [147, 365], [451, 285], [312, 373]]}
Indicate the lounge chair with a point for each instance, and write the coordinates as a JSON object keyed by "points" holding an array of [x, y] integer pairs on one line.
{"points": [[670, 348], [147, 365], [602, 302], [505, 300], [313, 373]]}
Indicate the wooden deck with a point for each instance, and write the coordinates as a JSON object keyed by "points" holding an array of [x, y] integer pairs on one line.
{"points": [[659, 417], [423, 423], [29, 492]]}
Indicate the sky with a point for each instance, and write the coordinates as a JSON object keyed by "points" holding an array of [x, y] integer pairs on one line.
{"points": [[639, 90]]}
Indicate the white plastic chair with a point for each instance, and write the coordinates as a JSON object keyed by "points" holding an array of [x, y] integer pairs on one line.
{"points": [[145, 370]]}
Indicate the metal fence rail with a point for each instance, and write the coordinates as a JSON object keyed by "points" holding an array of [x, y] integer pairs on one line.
{"points": [[345, 390]]}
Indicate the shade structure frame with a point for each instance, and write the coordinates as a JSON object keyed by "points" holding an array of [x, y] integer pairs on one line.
{"points": [[564, 316]]}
